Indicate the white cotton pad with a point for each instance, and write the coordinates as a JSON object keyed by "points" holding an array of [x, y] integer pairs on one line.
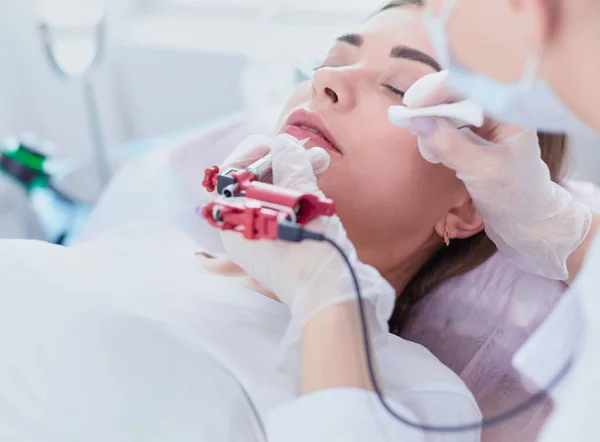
{"points": [[463, 113]]}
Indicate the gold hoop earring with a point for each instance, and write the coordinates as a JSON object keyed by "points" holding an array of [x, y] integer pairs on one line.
{"points": [[447, 236]]}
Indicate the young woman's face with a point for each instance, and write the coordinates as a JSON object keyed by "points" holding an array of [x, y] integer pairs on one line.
{"points": [[385, 192]]}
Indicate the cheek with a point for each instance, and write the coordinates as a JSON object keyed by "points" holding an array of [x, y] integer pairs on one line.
{"points": [[392, 183], [412, 185]]}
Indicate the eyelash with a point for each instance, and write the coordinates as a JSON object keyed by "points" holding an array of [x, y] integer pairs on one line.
{"points": [[392, 89]]}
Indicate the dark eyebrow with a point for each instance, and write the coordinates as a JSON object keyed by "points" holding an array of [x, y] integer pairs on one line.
{"points": [[351, 39], [404, 52], [412, 54]]}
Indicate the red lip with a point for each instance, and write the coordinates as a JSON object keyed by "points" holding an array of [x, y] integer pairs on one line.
{"points": [[301, 121]]}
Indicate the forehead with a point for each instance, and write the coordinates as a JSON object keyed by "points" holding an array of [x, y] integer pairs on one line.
{"points": [[397, 26]]}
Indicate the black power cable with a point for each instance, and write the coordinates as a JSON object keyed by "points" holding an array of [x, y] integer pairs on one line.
{"points": [[295, 233]]}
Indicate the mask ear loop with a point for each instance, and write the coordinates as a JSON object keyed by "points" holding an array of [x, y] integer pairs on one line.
{"points": [[532, 68], [437, 25], [447, 8]]}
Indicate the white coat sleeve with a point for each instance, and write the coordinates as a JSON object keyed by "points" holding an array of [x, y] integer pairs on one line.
{"points": [[355, 415]]}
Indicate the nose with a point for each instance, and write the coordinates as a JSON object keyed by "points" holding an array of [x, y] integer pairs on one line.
{"points": [[334, 88]]}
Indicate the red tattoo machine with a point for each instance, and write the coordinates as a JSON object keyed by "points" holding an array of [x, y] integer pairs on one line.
{"points": [[259, 210]]}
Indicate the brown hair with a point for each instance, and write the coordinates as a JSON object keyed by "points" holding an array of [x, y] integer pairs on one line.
{"points": [[463, 255]]}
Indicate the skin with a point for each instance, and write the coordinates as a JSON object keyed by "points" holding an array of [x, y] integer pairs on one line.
{"points": [[566, 32], [334, 360], [421, 200], [414, 201], [394, 205]]}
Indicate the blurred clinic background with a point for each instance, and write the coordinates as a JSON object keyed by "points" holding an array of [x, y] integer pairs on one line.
{"points": [[86, 85]]}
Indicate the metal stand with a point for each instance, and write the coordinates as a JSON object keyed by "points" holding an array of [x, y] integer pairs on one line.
{"points": [[89, 93], [98, 143]]}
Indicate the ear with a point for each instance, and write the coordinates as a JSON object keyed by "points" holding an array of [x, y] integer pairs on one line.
{"points": [[461, 221]]}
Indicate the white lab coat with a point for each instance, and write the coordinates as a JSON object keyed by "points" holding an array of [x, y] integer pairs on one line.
{"points": [[128, 338], [573, 330]]}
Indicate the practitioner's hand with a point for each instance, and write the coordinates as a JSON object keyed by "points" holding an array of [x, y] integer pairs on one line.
{"points": [[534, 222], [310, 276], [256, 147]]}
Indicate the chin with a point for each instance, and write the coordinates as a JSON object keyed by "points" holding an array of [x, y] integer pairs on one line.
{"points": [[328, 183]]}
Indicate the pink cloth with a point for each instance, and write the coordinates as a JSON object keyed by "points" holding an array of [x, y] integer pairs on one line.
{"points": [[474, 324]]}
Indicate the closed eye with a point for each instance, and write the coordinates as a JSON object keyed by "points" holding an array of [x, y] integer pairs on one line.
{"points": [[394, 91]]}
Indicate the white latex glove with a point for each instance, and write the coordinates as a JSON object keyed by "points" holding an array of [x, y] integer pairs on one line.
{"points": [[309, 276], [247, 152], [255, 147], [534, 222]]}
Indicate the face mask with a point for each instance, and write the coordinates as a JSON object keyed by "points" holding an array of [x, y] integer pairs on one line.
{"points": [[530, 103]]}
